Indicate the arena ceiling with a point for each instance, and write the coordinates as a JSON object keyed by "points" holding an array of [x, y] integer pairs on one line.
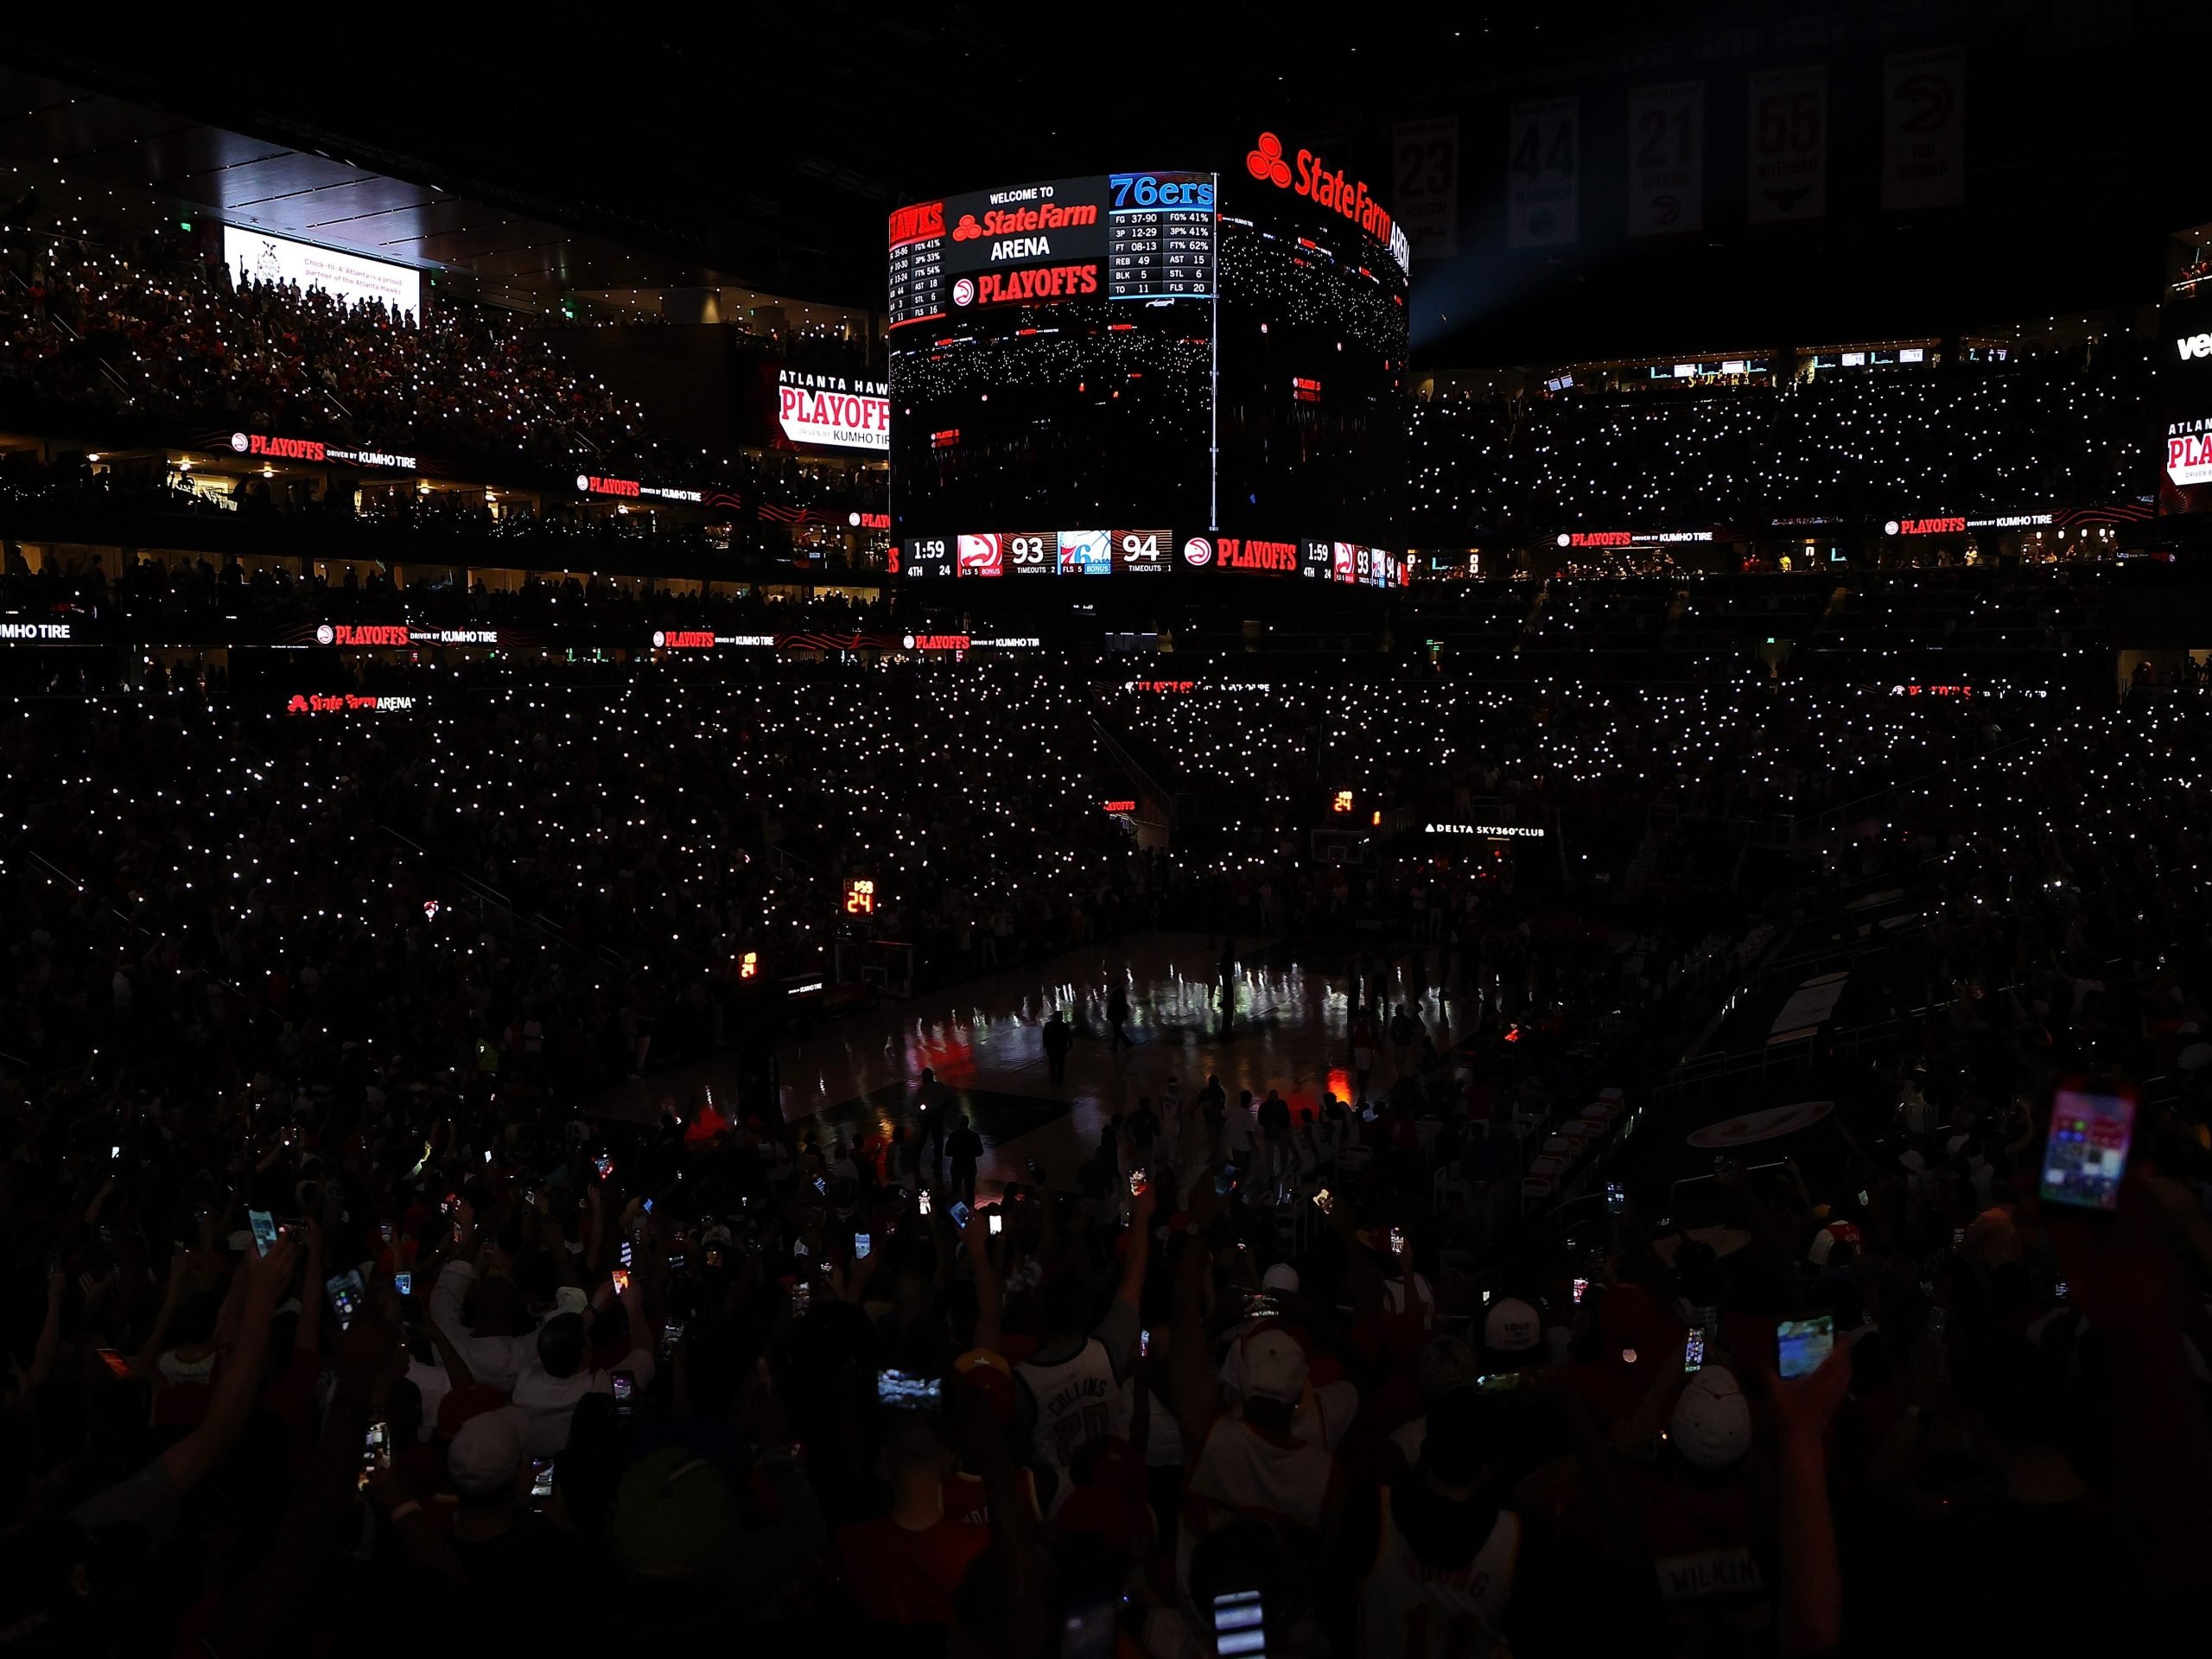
{"points": [[765, 150], [762, 148]]}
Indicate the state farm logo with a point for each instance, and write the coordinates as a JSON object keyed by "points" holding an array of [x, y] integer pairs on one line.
{"points": [[1197, 551], [1329, 188], [1267, 162], [2195, 346], [240, 442], [967, 230], [963, 292]]}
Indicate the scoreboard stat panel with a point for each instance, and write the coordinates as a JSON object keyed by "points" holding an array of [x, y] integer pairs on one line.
{"points": [[1126, 236]]}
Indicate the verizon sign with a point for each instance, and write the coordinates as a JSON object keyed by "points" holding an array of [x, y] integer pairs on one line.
{"points": [[831, 412]]}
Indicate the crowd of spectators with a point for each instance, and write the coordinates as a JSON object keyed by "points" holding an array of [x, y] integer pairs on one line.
{"points": [[163, 331], [352, 1305], [79, 505], [599, 1376], [606, 610], [154, 326], [1852, 446]]}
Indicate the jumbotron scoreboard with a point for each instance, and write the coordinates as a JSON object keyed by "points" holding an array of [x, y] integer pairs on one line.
{"points": [[1126, 236], [1147, 372]]}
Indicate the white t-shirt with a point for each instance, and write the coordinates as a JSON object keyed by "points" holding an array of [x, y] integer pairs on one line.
{"points": [[433, 1384], [496, 1362], [545, 1404], [1163, 1441], [1240, 1471], [1410, 1610]]}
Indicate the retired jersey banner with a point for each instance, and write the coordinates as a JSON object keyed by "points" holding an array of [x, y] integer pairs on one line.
{"points": [[1923, 130], [1787, 146], [1666, 158], [1425, 177], [1542, 159]]}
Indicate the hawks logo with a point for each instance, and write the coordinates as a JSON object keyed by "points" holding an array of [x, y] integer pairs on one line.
{"points": [[1197, 551], [981, 555]]}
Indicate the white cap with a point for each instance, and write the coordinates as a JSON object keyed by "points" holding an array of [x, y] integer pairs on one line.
{"points": [[1274, 1366], [1712, 1425], [1282, 1276], [1512, 1327], [485, 1453]]}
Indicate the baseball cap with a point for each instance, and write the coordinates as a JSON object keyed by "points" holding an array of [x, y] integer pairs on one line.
{"points": [[1512, 1327], [1274, 1366], [983, 1369], [461, 1406], [1712, 1425], [570, 1299], [1825, 1241], [485, 1453], [1282, 1276]]}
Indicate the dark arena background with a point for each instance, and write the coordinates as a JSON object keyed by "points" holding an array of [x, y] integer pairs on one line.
{"points": [[1568, 1015]]}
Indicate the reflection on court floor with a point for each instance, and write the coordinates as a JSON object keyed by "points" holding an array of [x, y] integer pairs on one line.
{"points": [[984, 1041]]}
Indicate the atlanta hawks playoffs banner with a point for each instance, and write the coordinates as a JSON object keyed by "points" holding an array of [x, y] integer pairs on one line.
{"points": [[1923, 130]]}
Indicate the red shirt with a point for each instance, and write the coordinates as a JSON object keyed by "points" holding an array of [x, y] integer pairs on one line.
{"points": [[900, 1577], [966, 1502], [1109, 1513]]}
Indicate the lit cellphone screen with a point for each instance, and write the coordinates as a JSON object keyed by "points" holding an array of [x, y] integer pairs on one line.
{"points": [[1240, 1625], [2086, 1153], [1803, 1344]]}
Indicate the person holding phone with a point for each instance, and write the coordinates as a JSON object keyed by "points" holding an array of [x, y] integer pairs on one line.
{"points": [[1444, 1555], [1069, 1387], [548, 1392], [1404, 1289], [486, 1343], [520, 1569]]}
